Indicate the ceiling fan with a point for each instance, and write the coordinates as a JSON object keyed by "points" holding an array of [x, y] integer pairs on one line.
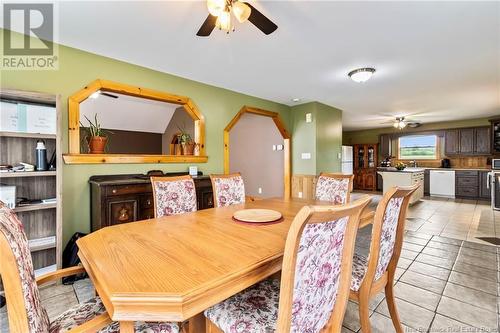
{"points": [[220, 16], [401, 122]]}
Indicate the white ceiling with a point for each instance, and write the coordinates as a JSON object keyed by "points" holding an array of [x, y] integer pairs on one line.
{"points": [[435, 61], [128, 113]]}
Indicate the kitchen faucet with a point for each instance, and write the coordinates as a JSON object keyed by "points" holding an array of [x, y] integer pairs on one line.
{"points": [[414, 163]]}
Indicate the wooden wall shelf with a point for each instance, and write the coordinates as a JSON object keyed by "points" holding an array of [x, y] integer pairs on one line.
{"points": [[28, 174], [131, 158], [27, 135], [30, 208]]}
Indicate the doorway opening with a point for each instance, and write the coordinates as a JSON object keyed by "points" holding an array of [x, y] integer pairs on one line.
{"points": [[257, 144]]}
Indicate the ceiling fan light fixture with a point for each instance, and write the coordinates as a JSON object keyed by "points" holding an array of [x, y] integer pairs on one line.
{"points": [[361, 75], [241, 11], [216, 7], [400, 123], [224, 21]]}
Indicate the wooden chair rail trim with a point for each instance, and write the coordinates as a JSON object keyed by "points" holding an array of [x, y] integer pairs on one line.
{"points": [[121, 88], [281, 128]]}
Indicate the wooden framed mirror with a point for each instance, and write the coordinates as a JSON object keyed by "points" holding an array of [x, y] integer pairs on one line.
{"points": [[140, 125]]}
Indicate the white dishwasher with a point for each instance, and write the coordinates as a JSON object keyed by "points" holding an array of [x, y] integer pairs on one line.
{"points": [[442, 183]]}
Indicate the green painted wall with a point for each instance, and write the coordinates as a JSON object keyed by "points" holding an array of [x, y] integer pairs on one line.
{"points": [[303, 139], [372, 135], [322, 138], [77, 68], [328, 138]]}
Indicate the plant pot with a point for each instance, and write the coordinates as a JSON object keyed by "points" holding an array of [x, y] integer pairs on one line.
{"points": [[97, 144], [188, 148]]}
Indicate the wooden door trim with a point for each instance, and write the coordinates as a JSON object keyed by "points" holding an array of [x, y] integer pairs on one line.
{"points": [[281, 128]]}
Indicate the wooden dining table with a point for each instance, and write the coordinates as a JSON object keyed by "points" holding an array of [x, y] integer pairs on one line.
{"points": [[173, 268]]}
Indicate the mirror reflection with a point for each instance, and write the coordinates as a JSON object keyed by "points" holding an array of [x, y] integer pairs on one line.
{"points": [[114, 123]]}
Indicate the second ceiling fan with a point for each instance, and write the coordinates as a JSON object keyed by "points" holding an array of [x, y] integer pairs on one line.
{"points": [[220, 16]]}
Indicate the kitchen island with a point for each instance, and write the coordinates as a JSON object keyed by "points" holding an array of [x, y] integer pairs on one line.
{"points": [[407, 177]]}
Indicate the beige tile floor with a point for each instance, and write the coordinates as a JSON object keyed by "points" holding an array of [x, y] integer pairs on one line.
{"points": [[447, 281]]}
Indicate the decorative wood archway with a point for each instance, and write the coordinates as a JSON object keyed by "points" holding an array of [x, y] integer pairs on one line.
{"points": [[74, 155], [281, 128]]}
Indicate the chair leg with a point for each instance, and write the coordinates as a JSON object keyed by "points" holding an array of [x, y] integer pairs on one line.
{"points": [[391, 304], [364, 313]]}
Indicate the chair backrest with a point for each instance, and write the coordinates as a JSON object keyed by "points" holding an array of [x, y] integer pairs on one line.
{"points": [[173, 195], [334, 187], [317, 266], [228, 189], [387, 231], [25, 311]]}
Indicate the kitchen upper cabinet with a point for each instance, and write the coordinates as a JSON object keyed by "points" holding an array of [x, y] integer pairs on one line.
{"points": [[452, 142], [483, 140], [468, 141]]}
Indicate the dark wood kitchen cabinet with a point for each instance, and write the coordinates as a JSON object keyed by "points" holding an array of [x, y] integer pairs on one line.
{"points": [[467, 184], [483, 140], [468, 141], [452, 142], [385, 143], [484, 189], [117, 199]]}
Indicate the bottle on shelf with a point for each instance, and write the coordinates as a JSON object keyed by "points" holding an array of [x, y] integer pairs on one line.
{"points": [[41, 156]]}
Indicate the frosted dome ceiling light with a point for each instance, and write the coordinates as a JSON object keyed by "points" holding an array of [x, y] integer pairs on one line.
{"points": [[361, 74]]}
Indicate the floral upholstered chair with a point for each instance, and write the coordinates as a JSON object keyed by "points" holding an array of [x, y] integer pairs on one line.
{"points": [[24, 308], [173, 195], [372, 275], [315, 279], [334, 187], [228, 189]]}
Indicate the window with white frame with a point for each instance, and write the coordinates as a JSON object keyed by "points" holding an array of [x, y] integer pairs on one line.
{"points": [[418, 147]]}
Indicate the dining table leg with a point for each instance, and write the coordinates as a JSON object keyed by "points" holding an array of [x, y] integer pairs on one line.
{"points": [[197, 324], [127, 327]]}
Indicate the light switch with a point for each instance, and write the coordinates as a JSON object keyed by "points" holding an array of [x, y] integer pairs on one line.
{"points": [[309, 118], [274, 147], [339, 155], [260, 190], [306, 156]]}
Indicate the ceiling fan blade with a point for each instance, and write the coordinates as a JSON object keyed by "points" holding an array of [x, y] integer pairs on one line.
{"points": [[108, 95], [207, 27], [260, 21]]}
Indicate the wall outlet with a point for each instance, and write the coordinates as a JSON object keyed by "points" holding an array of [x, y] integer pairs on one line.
{"points": [[309, 118], [279, 147], [300, 194], [274, 147], [260, 190], [306, 156]]}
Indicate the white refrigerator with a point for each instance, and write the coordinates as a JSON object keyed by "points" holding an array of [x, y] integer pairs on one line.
{"points": [[347, 160]]}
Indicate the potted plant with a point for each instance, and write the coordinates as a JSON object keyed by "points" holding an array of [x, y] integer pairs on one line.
{"points": [[96, 136], [186, 141]]}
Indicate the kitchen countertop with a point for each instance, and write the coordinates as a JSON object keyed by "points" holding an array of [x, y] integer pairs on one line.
{"points": [[420, 169], [407, 170]]}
